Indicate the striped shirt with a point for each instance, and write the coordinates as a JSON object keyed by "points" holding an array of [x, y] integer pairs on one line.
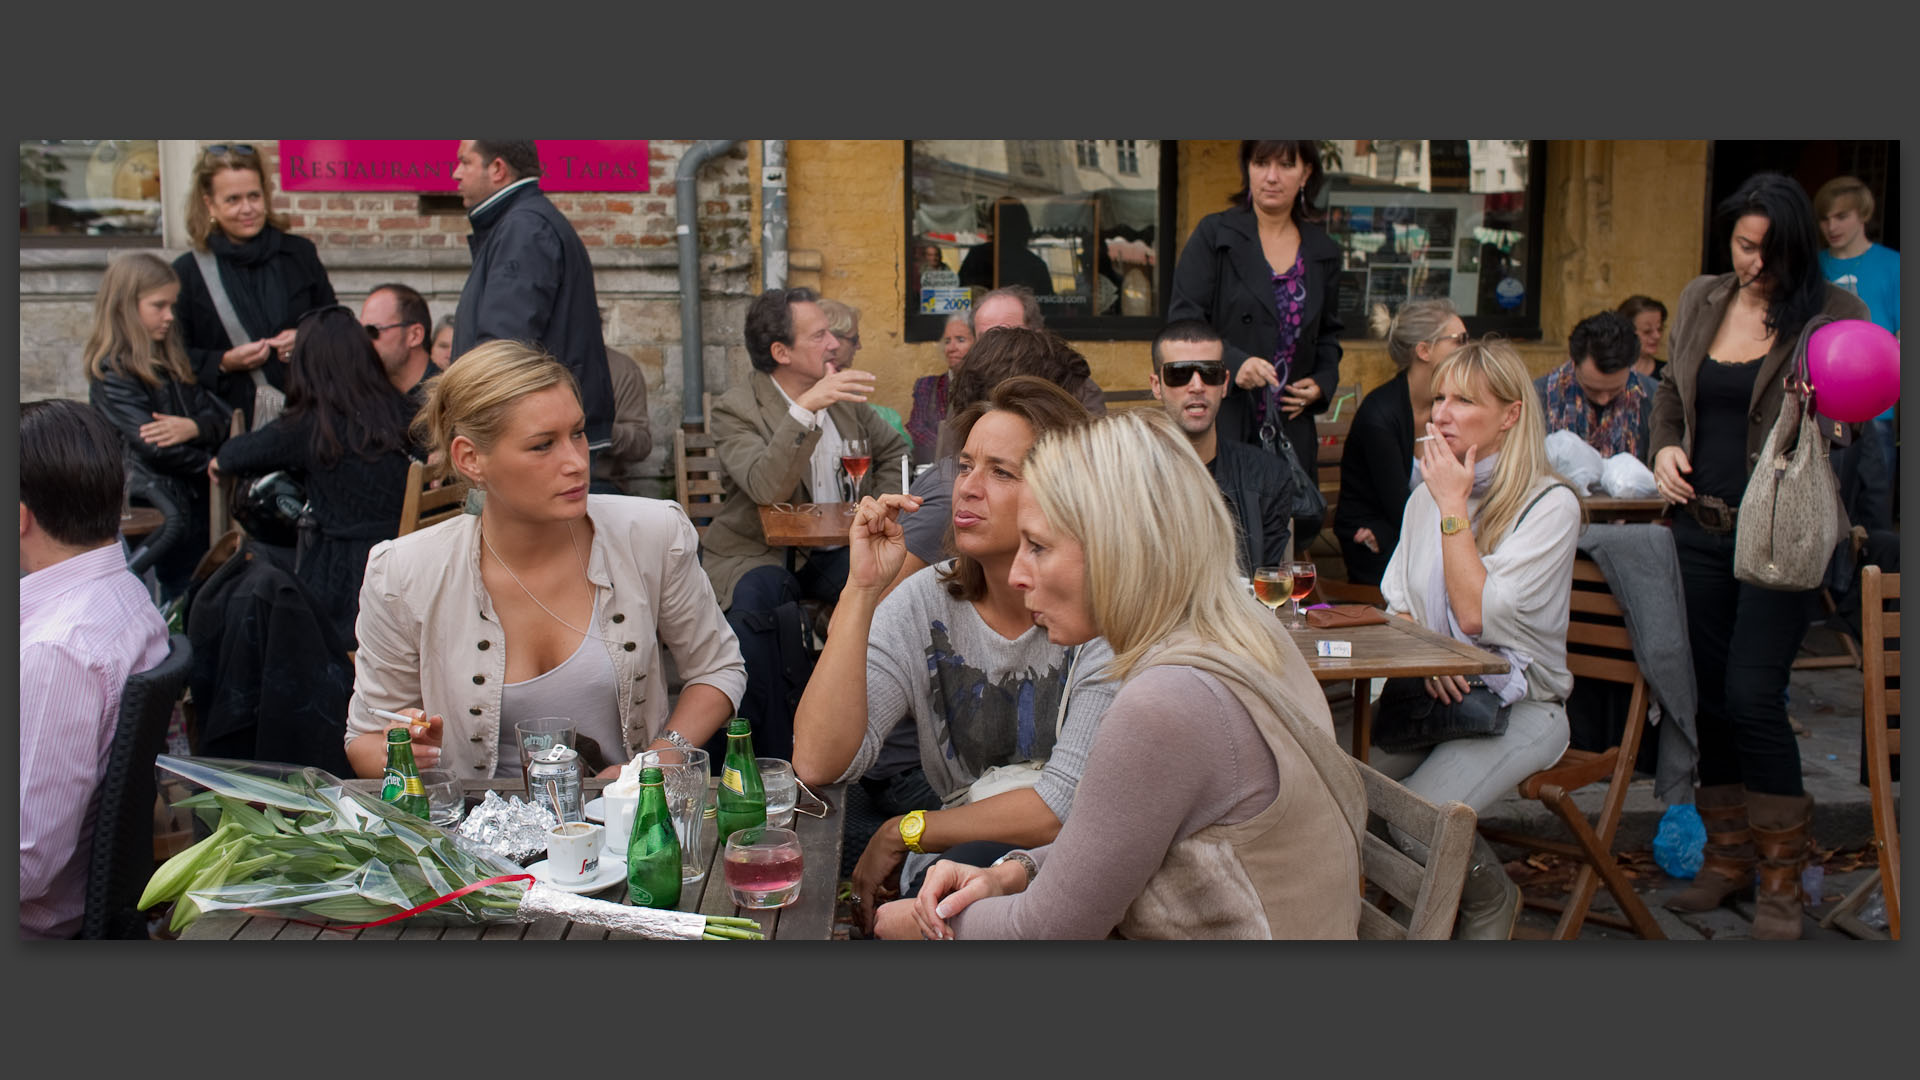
{"points": [[86, 624]]}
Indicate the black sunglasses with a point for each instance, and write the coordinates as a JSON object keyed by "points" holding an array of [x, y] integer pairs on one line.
{"points": [[1177, 375], [242, 149], [374, 330]]}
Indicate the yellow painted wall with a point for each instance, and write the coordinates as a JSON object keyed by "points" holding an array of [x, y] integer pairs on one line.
{"points": [[1620, 217]]}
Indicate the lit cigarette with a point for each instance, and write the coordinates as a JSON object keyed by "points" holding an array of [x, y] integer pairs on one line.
{"points": [[414, 726], [1424, 438]]}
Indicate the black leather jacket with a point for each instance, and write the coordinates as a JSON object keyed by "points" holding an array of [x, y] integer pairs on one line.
{"points": [[1257, 488], [127, 403]]}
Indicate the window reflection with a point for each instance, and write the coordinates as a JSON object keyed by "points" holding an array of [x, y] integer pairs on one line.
{"points": [[90, 187]]}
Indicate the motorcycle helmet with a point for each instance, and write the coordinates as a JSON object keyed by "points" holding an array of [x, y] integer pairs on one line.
{"points": [[269, 508]]}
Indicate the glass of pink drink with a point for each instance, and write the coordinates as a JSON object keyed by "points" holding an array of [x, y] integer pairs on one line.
{"points": [[763, 867]]}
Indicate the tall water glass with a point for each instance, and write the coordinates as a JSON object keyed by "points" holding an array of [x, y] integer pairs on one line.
{"points": [[776, 777], [684, 777]]}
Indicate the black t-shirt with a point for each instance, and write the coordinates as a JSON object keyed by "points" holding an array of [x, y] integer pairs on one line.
{"points": [[1720, 414]]}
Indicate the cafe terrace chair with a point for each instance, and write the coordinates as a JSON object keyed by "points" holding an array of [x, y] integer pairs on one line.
{"points": [[698, 481], [1429, 891], [1879, 624], [1599, 648], [1331, 435], [220, 495], [123, 851], [425, 505]]}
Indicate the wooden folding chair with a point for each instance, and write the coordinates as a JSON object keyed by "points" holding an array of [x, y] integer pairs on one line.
{"points": [[1598, 647], [1849, 657], [698, 481], [1879, 624], [1331, 436], [425, 505], [1429, 891]]}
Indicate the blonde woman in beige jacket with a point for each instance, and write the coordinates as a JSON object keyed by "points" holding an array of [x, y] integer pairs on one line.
{"points": [[549, 602]]}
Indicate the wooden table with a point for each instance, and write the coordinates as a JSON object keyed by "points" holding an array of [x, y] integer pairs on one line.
{"points": [[140, 521], [828, 528], [810, 918], [1602, 508], [1398, 648]]}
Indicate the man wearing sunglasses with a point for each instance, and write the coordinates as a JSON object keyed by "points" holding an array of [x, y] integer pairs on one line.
{"points": [[397, 319], [1190, 381]]}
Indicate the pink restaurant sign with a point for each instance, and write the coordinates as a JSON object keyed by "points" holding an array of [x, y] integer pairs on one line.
{"points": [[427, 164]]}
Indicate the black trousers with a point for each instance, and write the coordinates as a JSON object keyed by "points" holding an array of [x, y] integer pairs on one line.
{"points": [[1744, 639], [775, 677]]}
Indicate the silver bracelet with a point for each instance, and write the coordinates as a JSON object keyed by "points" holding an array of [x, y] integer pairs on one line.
{"points": [[1023, 859], [676, 738]]}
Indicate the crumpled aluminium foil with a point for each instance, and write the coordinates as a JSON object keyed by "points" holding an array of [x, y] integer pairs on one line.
{"points": [[511, 828], [544, 900]]}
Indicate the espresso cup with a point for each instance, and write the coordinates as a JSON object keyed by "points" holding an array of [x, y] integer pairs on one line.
{"points": [[573, 851]]}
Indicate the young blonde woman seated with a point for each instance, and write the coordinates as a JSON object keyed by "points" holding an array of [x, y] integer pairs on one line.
{"points": [[1486, 556], [1215, 802], [549, 602]]}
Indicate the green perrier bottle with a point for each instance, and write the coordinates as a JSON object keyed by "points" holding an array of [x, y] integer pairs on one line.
{"points": [[741, 800], [402, 787], [653, 851]]}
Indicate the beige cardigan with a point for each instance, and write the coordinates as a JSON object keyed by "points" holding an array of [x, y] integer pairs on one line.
{"points": [[645, 568]]}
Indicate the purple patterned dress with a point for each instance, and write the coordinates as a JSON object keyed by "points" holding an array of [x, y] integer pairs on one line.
{"points": [[1289, 298]]}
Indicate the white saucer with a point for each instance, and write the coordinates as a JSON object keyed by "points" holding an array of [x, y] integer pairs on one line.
{"points": [[611, 872], [596, 809]]}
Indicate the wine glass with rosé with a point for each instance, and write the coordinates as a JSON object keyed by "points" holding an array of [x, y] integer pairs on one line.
{"points": [[1272, 585], [763, 866], [1303, 578], [855, 458]]}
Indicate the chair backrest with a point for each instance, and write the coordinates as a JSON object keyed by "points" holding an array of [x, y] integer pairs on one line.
{"points": [[1598, 645], [426, 506], [1430, 890], [1332, 436], [122, 857], [220, 495], [1127, 399], [698, 481], [1880, 668]]}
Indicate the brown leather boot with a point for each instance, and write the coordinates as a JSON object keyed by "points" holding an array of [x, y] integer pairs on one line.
{"points": [[1727, 866], [1782, 830]]}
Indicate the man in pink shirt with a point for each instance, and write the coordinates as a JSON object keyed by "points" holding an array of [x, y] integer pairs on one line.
{"points": [[86, 624]]}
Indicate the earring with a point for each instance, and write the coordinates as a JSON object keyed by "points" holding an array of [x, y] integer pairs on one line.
{"points": [[475, 501]]}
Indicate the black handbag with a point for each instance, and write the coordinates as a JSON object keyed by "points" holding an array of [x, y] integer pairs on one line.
{"points": [[1304, 501], [1407, 718]]}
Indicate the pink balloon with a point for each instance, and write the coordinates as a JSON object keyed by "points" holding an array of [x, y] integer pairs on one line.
{"points": [[1855, 369]]}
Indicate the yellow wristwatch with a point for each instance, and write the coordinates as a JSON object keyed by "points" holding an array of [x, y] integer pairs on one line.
{"points": [[911, 826], [1451, 524]]}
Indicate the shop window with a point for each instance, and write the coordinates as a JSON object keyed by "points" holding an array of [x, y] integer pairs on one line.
{"points": [[90, 191], [1087, 238], [1418, 219]]}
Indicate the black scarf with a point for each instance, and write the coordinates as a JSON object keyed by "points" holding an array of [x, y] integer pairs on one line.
{"points": [[255, 278]]}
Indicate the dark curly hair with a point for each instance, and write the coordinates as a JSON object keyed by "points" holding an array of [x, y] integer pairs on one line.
{"points": [[1608, 338]]}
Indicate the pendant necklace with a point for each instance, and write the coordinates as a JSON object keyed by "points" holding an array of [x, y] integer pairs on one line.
{"points": [[529, 592]]}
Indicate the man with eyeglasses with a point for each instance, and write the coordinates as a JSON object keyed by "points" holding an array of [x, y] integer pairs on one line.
{"points": [[1596, 394], [397, 319], [531, 280], [1190, 381]]}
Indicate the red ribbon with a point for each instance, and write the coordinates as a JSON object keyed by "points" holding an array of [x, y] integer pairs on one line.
{"points": [[410, 912]]}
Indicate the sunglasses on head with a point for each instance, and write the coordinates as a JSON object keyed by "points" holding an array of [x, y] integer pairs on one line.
{"points": [[1178, 375], [1460, 339], [241, 149]]}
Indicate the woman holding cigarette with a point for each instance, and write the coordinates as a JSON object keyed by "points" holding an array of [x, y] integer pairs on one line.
{"points": [[1486, 557], [1381, 462], [547, 602]]}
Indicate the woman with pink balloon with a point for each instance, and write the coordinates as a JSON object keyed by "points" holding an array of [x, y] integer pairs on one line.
{"points": [[1737, 339]]}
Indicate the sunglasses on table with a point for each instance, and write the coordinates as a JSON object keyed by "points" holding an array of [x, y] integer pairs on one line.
{"points": [[1174, 376]]}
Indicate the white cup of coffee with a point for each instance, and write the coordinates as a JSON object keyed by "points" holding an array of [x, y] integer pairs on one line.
{"points": [[618, 810], [573, 851]]}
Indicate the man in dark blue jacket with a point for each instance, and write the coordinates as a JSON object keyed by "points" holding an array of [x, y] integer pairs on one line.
{"points": [[531, 280], [1190, 380]]}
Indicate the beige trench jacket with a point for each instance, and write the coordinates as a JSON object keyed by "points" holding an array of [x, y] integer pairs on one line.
{"points": [[429, 637]]}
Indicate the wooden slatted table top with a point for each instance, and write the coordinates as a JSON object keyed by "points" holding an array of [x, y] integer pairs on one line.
{"points": [[1399, 647], [828, 528], [810, 918]]}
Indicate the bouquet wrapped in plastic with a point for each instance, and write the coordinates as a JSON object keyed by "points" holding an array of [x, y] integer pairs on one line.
{"points": [[292, 841]]}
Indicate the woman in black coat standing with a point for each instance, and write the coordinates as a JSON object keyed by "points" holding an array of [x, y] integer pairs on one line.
{"points": [[271, 277], [1263, 274], [345, 432]]}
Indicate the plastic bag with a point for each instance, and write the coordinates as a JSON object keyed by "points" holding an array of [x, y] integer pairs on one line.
{"points": [[1680, 842], [1627, 477], [1572, 458]]}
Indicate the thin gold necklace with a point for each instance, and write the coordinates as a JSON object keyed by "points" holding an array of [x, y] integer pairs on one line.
{"points": [[529, 592]]}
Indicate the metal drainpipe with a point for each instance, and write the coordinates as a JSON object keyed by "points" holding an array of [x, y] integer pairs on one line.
{"points": [[686, 208], [773, 212]]}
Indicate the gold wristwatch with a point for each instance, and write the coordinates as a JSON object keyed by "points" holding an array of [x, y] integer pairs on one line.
{"points": [[1451, 524], [911, 826]]}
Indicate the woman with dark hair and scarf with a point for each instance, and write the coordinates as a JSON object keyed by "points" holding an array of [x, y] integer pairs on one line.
{"points": [[345, 431], [1262, 274], [270, 276]]}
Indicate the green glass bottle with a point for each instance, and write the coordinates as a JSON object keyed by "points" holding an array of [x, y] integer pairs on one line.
{"points": [[402, 786], [742, 801], [653, 851]]}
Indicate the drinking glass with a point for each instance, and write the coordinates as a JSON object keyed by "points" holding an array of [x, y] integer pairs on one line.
{"points": [[684, 774], [776, 776], [537, 735], [446, 800], [855, 457], [1303, 578], [763, 867], [1272, 585]]}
